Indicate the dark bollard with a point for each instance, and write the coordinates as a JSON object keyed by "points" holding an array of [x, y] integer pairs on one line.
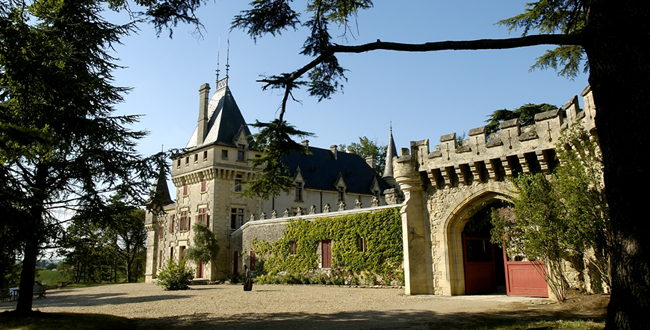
{"points": [[248, 281]]}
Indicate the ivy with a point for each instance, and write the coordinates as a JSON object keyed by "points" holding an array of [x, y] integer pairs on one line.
{"points": [[381, 231]]}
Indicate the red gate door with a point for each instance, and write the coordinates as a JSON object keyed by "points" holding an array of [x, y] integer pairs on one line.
{"points": [[200, 270], [327, 253], [523, 278], [478, 257]]}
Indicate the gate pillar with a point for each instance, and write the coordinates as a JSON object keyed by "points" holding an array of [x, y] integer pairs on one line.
{"points": [[415, 234]]}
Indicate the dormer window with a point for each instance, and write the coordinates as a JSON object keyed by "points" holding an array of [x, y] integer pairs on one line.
{"points": [[298, 191], [241, 152]]}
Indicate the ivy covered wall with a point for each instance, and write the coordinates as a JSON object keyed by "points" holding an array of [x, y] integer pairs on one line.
{"points": [[366, 249]]}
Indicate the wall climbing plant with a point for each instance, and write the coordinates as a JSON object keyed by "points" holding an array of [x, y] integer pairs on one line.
{"points": [[381, 260]]}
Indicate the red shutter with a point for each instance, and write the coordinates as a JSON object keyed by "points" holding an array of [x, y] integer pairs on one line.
{"points": [[252, 261], [327, 253]]}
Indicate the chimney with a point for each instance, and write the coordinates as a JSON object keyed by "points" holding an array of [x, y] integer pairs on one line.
{"points": [[370, 160], [305, 143], [333, 149], [204, 100]]}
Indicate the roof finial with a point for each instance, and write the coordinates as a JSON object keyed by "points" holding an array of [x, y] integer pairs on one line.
{"points": [[218, 47], [391, 126], [228, 56]]}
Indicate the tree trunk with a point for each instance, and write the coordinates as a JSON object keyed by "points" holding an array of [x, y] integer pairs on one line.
{"points": [[618, 35], [27, 276]]}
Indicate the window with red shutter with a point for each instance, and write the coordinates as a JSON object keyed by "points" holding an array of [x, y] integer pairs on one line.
{"points": [[252, 260], [185, 189]]}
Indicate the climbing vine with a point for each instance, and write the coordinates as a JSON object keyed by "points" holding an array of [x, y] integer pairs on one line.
{"points": [[380, 257]]}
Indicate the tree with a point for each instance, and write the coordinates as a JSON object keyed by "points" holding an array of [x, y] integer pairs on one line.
{"points": [[127, 232], [366, 148], [611, 36], [205, 248], [525, 114], [60, 146], [560, 217]]}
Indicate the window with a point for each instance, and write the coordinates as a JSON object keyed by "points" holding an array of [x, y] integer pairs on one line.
{"points": [[171, 253], [361, 244], [181, 253], [205, 155], [184, 221], [178, 163], [171, 223], [161, 232], [238, 178], [341, 194], [203, 185], [203, 216], [185, 189], [241, 152], [236, 218], [224, 154], [187, 160], [298, 191], [292, 247]]}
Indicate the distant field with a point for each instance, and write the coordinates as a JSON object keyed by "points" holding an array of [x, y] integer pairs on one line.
{"points": [[50, 277]]}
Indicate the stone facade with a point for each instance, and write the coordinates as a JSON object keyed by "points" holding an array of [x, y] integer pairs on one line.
{"points": [[211, 172], [446, 186]]}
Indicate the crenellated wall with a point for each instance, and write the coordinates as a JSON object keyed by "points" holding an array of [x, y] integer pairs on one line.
{"points": [[446, 185]]}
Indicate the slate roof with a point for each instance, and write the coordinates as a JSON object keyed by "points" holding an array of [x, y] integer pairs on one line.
{"points": [[225, 120], [390, 153], [160, 192], [320, 171]]}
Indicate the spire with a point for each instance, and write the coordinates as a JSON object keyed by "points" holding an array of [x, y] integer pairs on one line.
{"points": [[390, 153], [228, 56], [160, 192], [218, 48]]}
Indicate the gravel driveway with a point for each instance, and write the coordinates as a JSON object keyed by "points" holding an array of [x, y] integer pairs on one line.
{"points": [[280, 307]]}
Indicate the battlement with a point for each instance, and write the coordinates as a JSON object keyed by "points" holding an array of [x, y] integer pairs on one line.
{"points": [[512, 149]]}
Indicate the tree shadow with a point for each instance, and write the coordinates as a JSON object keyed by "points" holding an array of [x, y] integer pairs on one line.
{"points": [[394, 319]]}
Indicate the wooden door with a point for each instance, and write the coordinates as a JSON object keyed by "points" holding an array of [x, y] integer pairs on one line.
{"points": [[480, 272], [523, 278], [327, 253]]}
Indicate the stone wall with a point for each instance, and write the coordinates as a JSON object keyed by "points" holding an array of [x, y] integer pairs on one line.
{"points": [[446, 186]]}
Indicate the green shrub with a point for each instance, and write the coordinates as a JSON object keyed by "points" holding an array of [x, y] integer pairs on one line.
{"points": [[175, 276]]}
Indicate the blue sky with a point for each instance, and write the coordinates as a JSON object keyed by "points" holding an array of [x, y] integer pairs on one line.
{"points": [[425, 95]]}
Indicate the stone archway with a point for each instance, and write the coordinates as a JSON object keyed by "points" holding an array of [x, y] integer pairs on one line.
{"points": [[450, 277]]}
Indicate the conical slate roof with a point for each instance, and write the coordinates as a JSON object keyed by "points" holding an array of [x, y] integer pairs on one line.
{"points": [[224, 119], [390, 153], [160, 192]]}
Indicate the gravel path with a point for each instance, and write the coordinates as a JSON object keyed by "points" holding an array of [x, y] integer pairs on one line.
{"points": [[279, 307]]}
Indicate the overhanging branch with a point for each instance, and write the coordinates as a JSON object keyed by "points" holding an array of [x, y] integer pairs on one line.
{"points": [[480, 44]]}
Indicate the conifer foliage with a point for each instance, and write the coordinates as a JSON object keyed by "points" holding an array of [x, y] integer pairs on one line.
{"points": [[61, 147]]}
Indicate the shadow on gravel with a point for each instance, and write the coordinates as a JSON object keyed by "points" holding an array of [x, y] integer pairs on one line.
{"points": [[83, 300], [396, 319]]}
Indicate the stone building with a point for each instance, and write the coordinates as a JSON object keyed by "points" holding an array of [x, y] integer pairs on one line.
{"points": [[212, 170], [445, 187]]}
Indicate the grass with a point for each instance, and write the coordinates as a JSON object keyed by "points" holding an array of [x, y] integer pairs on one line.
{"points": [[50, 277], [47, 321], [542, 325]]}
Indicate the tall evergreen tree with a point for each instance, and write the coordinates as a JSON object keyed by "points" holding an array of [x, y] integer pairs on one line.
{"points": [[61, 149]]}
